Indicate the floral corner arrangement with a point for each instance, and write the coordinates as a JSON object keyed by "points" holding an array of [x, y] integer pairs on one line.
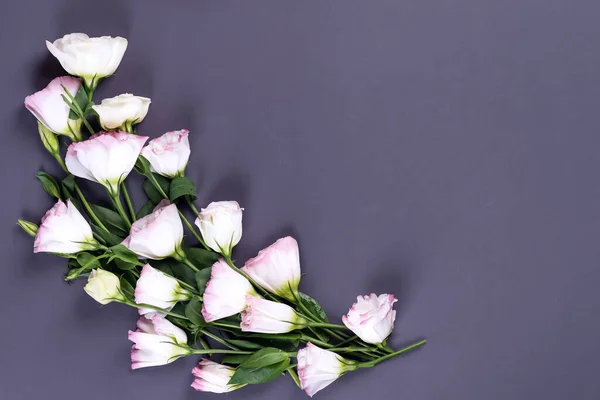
{"points": [[250, 324]]}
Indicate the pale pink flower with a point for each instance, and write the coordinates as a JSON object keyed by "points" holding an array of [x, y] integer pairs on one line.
{"points": [[318, 368], [50, 109], [156, 342], [371, 318], [106, 157], [213, 377], [225, 293], [265, 316], [63, 230], [159, 290], [277, 268], [158, 235], [221, 225], [168, 154]]}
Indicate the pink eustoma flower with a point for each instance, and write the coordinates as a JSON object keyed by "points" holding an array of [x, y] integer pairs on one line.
{"points": [[213, 377], [371, 318], [318, 368], [168, 154], [50, 109], [277, 268], [225, 293], [156, 342], [106, 157]]}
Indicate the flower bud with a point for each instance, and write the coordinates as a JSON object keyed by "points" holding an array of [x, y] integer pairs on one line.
{"points": [[213, 377], [266, 316], [318, 368], [29, 227], [104, 287]]}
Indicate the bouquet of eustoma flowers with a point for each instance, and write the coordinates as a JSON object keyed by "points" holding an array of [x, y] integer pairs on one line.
{"points": [[192, 301]]}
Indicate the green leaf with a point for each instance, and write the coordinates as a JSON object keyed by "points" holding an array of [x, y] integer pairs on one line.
{"points": [[68, 190], [182, 186], [245, 344], [81, 100], [110, 238], [152, 193], [234, 359], [111, 219], [49, 184], [142, 165], [193, 311], [87, 260], [314, 307], [201, 258], [126, 288], [124, 266], [264, 357], [145, 210], [124, 254], [202, 277], [262, 366]]}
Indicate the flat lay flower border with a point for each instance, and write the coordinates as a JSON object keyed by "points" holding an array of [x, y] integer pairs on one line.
{"points": [[192, 301]]}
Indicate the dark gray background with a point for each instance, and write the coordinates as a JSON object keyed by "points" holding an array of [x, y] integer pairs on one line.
{"points": [[445, 151]]}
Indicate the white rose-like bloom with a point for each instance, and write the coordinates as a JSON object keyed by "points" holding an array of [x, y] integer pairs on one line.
{"points": [[168, 154], [159, 290], [89, 58], [225, 293], [106, 157], [277, 268], [63, 230], [158, 235], [221, 225], [266, 316], [371, 318], [122, 111], [318, 368], [213, 377], [155, 342], [50, 109], [104, 286]]}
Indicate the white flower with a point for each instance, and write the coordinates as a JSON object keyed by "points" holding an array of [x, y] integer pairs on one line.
{"points": [[265, 316], [169, 154], [159, 290], [63, 230], [318, 368], [277, 268], [89, 58], [50, 109], [221, 225], [213, 377], [106, 157], [371, 318], [104, 286], [156, 342], [158, 235], [225, 293], [122, 111]]}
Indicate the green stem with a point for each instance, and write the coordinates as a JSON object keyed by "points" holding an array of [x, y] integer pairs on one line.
{"points": [[128, 201], [116, 200], [218, 324], [87, 207], [60, 162], [219, 351], [324, 325], [181, 257], [192, 206], [316, 341], [219, 339], [203, 343], [388, 356]]}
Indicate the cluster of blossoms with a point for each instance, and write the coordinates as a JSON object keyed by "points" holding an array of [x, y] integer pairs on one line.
{"points": [[183, 295]]}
